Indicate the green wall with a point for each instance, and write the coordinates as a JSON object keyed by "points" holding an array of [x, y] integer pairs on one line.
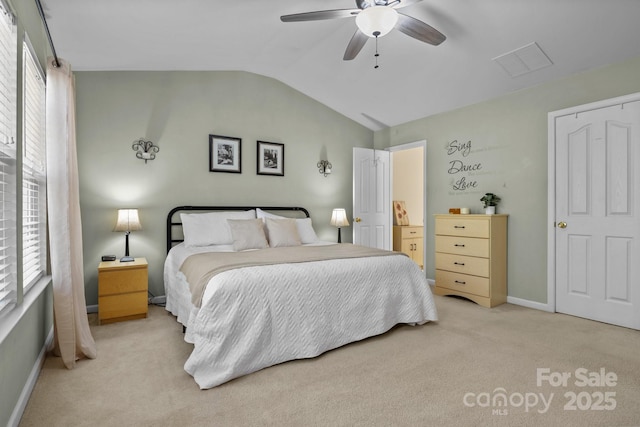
{"points": [[509, 140], [177, 110]]}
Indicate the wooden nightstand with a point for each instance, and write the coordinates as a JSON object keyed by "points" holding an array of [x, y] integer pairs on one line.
{"points": [[122, 290], [409, 239]]}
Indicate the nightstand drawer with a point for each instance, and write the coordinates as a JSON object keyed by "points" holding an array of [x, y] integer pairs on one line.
{"points": [[122, 306], [462, 283], [462, 264], [409, 231], [463, 246], [119, 281], [460, 226]]}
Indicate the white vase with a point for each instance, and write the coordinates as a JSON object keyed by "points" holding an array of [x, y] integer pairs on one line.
{"points": [[490, 210]]}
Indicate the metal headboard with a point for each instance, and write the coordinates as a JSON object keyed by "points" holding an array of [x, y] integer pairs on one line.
{"points": [[173, 225]]}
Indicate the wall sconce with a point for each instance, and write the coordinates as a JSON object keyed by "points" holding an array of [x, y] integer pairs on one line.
{"points": [[324, 167], [145, 150]]}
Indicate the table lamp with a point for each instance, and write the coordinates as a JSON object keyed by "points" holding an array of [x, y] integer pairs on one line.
{"points": [[339, 219], [128, 221]]}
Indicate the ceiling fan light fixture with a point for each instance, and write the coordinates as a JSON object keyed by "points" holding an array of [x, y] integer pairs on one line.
{"points": [[376, 21]]}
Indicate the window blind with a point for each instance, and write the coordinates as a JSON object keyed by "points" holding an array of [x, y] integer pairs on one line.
{"points": [[8, 66], [33, 172]]}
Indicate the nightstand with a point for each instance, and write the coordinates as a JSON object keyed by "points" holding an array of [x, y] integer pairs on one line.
{"points": [[409, 239], [122, 290]]}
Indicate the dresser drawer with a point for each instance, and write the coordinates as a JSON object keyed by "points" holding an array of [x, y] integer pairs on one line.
{"points": [[459, 226], [463, 283], [120, 281], [463, 246], [462, 264]]}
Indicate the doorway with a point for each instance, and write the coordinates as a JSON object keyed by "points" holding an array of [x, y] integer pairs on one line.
{"points": [[408, 184]]}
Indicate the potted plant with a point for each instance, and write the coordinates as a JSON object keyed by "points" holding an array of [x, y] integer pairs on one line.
{"points": [[490, 201]]}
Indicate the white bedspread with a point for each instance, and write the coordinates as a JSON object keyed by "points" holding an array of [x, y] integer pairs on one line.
{"points": [[256, 317]]}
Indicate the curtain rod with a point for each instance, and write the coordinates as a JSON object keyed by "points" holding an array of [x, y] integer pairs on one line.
{"points": [[56, 63]]}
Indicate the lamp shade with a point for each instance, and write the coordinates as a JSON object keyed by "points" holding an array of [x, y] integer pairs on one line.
{"points": [[339, 218], [377, 19], [128, 220]]}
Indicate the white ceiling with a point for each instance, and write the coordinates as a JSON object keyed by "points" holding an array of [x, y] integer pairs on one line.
{"points": [[414, 80]]}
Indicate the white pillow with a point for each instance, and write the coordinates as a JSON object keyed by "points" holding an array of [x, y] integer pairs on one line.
{"points": [[264, 215], [305, 227], [247, 234], [306, 231], [282, 232], [210, 228]]}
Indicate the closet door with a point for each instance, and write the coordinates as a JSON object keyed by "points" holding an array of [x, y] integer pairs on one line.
{"points": [[597, 220]]}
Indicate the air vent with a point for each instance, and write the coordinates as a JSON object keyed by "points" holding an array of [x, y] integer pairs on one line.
{"points": [[523, 60]]}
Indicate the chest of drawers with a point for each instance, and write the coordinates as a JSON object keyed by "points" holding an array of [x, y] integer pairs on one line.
{"points": [[471, 257]]}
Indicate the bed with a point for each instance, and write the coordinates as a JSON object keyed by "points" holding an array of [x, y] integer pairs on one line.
{"points": [[246, 307]]}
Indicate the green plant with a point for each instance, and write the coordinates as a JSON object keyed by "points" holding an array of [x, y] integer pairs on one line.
{"points": [[490, 199]]}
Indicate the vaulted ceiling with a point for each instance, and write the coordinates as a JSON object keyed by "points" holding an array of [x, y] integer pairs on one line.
{"points": [[414, 79]]}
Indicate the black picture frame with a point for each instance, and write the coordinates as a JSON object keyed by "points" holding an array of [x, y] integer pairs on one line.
{"points": [[270, 158], [225, 154]]}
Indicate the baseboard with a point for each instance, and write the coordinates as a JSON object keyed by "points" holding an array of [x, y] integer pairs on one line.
{"points": [[92, 308], [161, 300], [431, 282], [530, 304], [16, 416]]}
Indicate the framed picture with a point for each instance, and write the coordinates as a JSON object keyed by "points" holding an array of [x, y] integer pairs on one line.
{"points": [[270, 158], [224, 154]]}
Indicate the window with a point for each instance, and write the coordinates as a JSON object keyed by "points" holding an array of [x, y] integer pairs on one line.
{"points": [[34, 179], [8, 66]]}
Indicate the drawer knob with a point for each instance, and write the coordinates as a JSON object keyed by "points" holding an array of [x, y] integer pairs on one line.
{"points": [[459, 245], [458, 226], [460, 282], [459, 263]]}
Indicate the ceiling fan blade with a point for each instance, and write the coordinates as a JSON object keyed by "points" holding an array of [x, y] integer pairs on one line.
{"points": [[419, 30], [320, 15], [397, 4], [355, 45]]}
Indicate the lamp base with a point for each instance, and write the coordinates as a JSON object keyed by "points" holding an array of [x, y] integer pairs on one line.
{"points": [[127, 259]]}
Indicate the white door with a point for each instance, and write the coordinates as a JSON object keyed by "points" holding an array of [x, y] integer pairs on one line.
{"points": [[597, 217], [371, 198]]}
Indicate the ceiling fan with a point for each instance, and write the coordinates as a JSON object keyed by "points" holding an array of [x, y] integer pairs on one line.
{"points": [[375, 18]]}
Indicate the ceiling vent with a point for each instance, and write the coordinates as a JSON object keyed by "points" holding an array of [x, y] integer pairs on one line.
{"points": [[523, 60]]}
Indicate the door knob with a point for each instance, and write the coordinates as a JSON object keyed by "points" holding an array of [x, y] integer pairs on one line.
{"points": [[562, 224], [357, 219]]}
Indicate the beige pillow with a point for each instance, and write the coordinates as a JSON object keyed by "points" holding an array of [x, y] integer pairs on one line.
{"points": [[282, 232], [247, 234], [305, 228]]}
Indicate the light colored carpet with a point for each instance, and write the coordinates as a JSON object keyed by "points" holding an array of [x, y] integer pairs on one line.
{"points": [[410, 376]]}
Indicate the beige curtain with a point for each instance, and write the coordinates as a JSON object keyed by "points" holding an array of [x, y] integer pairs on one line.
{"points": [[73, 338]]}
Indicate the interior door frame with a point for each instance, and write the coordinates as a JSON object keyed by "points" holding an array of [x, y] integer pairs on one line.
{"points": [[408, 146], [551, 184]]}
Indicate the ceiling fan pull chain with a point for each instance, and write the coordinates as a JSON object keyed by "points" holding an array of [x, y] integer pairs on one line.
{"points": [[376, 34]]}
